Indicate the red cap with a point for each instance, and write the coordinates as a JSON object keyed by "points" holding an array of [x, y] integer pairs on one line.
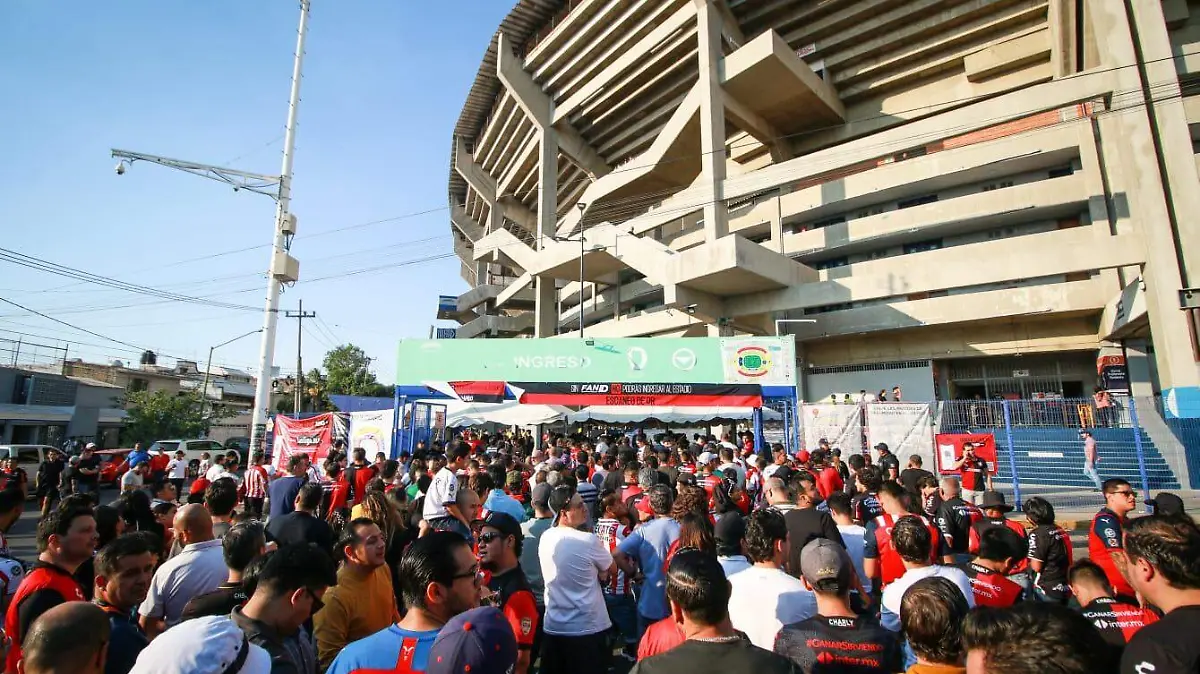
{"points": [[803, 456], [643, 505]]}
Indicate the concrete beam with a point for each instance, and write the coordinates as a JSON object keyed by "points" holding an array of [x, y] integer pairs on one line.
{"points": [[480, 180], [465, 223], [540, 109], [752, 123], [1031, 256]]}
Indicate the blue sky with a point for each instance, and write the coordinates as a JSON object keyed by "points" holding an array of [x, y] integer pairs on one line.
{"points": [[208, 81]]}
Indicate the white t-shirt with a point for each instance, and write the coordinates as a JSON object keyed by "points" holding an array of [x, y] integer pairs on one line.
{"points": [[443, 490], [177, 469], [572, 562], [131, 480], [764, 600], [852, 536], [215, 472], [892, 594]]}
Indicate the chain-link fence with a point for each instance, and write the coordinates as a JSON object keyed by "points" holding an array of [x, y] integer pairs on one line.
{"points": [[1034, 447]]}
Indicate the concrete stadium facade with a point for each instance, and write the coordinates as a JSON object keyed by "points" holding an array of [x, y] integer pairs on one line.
{"points": [[963, 196]]}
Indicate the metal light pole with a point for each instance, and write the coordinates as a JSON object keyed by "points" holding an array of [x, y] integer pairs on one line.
{"points": [[582, 206], [283, 267], [208, 368], [279, 256]]}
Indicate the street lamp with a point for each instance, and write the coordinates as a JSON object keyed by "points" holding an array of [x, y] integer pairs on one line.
{"points": [[283, 268], [582, 206], [780, 321], [208, 367]]}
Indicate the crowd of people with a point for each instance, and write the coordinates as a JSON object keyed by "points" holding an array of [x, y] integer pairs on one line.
{"points": [[563, 555]]}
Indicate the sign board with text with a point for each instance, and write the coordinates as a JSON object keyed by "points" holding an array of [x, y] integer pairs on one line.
{"points": [[767, 361]]}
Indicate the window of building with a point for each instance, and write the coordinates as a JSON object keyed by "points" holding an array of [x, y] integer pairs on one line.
{"points": [[922, 246], [868, 212], [917, 201], [841, 306], [831, 263], [137, 384], [1062, 171], [760, 238], [998, 185], [910, 154]]}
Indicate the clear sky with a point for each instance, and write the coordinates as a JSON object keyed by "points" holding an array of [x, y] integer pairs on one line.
{"points": [[208, 81]]}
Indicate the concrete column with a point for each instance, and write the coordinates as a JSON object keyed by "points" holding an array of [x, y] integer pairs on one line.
{"points": [[546, 305], [712, 119], [1145, 190], [1142, 380]]}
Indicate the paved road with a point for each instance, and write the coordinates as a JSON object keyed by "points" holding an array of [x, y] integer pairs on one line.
{"points": [[22, 538]]}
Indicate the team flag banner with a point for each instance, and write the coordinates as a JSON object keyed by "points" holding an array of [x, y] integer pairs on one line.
{"points": [[841, 425], [372, 431], [904, 427], [950, 449], [313, 436]]}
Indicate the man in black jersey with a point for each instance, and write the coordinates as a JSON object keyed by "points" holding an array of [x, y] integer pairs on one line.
{"points": [[836, 639], [1163, 553], [1050, 554], [865, 504], [955, 517]]}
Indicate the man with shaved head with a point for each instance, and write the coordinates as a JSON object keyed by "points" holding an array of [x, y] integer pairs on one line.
{"points": [[71, 638], [197, 569]]}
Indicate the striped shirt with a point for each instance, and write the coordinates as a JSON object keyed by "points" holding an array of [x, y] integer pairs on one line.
{"points": [[611, 532], [256, 482]]}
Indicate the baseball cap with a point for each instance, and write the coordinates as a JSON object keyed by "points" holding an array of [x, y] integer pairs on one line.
{"points": [[783, 473], [803, 456], [822, 561], [540, 496], [208, 645], [90, 445], [1165, 503], [479, 641], [730, 529], [502, 522], [706, 457], [643, 504], [882, 447], [685, 478]]}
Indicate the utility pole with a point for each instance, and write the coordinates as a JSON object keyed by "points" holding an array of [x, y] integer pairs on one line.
{"points": [[279, 256], [299, 316]]}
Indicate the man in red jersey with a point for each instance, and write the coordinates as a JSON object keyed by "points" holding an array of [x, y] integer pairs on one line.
{"points": [[1105, 544], [975, 476], [1117, 621], [66, 538], [1000, 549], [994, 508], [880, 560]]}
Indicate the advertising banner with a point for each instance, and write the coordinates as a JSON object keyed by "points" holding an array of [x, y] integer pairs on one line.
{"points": [[1114, 374], [841, 425], [950, 449], [766, 361], [313, 436], [687, 395], [904, 427], [372, 431]]}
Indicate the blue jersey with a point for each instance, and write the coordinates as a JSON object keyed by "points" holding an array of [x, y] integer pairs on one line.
{"points": [[388, 650]]}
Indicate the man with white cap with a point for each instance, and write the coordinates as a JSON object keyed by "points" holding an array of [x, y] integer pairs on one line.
{"points": [[208, 645]]}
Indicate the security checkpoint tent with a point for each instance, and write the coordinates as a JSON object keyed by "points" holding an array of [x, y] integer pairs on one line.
{"points": [[743, 372]]}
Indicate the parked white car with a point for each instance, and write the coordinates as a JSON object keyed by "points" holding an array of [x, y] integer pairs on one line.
{"points": [[192, 449]]}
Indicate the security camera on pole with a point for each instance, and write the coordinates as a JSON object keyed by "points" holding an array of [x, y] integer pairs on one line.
{"points": [[284, 268]]}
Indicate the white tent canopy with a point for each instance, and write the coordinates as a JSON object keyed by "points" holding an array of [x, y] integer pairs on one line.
{"points": [[509, 413], [666, 414]]}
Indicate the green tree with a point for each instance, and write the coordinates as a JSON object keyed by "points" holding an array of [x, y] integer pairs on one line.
{"points": [[160, 415], [314, 397], [348, 372]]}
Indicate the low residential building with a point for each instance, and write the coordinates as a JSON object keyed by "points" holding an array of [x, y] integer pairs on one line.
{"points": [[43, 407]]}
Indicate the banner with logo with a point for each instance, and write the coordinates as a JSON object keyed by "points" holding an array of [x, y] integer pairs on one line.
{"points": [[685, 395], [766, 361], [950, 449], [372, 431], [904, 427], [1114, 374], [313, 436], [841, 425]]}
